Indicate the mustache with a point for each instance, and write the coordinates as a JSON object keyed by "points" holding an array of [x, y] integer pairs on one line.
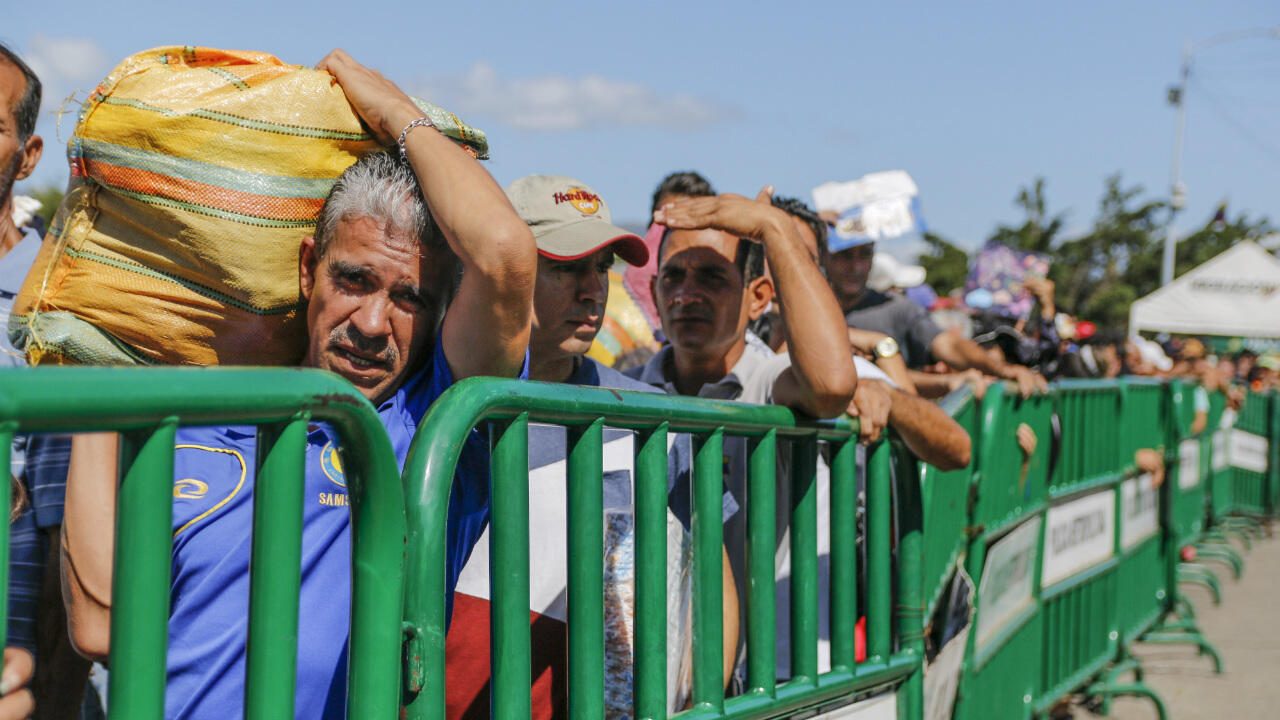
{"points": [[378, 349]]}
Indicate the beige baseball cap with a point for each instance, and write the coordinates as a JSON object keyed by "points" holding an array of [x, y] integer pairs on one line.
{"points": [[569, 220]]}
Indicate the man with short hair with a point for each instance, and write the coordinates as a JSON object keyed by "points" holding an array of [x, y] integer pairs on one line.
{"points": [[40, 513], [577, 243], [677, 186], [710, 284], [914, 333], [376, 279]]}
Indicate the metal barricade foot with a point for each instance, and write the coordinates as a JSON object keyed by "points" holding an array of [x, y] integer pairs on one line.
{"points": [[1201, 575], [1107, 690], [1224, 553]]}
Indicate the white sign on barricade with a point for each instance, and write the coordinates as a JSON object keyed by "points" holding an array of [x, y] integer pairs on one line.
{"points": [[1139, 511], [1189, 463], [1079, 534], [1221, 457], [1248, 451], [1007, 579]]}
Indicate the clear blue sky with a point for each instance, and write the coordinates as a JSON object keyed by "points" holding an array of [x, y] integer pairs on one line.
{"points": [[973, 99]]}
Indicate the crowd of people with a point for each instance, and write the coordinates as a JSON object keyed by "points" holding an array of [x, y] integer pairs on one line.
{"points": [[423, 271]]}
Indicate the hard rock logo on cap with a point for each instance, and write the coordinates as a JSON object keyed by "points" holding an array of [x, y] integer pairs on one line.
{"points": [[584, 201]]}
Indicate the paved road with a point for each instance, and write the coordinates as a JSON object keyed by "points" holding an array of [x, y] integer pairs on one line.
{"points": [[1246, 630]]}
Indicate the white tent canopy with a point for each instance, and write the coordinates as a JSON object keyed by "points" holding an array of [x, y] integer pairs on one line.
{"points": [[1236, 294]]}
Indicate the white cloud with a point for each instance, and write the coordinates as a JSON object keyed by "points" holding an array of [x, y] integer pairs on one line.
{"points": [[558, 102], [67, 67]]}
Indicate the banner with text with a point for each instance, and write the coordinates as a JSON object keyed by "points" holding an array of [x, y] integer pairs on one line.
{"points": [[1079, 534], [1189, 463], [1139, 511], [1247, 451], [1007, 580]]}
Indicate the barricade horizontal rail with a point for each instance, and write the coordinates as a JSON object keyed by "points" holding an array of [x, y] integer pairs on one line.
{"points": [[148, 405], [894, 644]]}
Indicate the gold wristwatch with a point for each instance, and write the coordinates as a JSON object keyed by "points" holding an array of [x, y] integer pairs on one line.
{"points": [[886, 348]]}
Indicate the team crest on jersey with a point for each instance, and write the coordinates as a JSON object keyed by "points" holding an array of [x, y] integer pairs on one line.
{"points": [[331, 465], [190, 489]]}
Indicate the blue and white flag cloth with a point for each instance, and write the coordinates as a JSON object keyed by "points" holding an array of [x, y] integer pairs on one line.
{"points": [[875, 207]]}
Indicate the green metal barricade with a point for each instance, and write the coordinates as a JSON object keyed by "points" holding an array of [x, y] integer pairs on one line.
{"points": [[1143, 578], [1186, 472], [1079, 578], [894, 599], [1219, 476], [147, 406], [1069, 550], [947, 496], [1253, 457], [1003, 661]]}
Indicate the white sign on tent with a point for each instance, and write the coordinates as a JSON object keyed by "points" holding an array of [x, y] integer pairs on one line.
{"points": [[1236, 294]]}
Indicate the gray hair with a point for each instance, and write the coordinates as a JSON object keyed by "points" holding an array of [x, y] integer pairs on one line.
{"points": [[383, 187]]}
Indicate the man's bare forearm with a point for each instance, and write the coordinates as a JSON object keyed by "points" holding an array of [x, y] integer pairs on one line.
{"points": [[88, 541], [961, 353], [817, 338], [487, 328], [931, 434], [933, 385]]}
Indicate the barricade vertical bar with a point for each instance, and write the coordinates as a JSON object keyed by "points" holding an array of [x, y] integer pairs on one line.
{"points": [[586, 571], [650, 696], [804, 560], [708, 573], [909, 620], [509, 571], [844, 556], [761, 539], [275, 571], [879, 566], [6, 446], [1271, 483], [140, 582]]}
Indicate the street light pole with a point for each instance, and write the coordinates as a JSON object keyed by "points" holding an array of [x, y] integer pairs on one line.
{"points": [[1178, 193], [1178, 98]]}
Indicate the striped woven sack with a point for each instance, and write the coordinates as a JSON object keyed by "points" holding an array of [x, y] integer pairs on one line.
{"points": [[195, 174]]}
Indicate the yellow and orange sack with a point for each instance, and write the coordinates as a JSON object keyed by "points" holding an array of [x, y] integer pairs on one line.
{"points": [[195, 174]]}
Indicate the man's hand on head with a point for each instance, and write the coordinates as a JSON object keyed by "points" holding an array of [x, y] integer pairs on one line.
{"points": [[734, 214], [383, 106]]}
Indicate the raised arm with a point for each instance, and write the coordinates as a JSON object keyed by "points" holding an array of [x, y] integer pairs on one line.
{"points": [[486, 329], [821, 379], [88, 542], [962, 353]]}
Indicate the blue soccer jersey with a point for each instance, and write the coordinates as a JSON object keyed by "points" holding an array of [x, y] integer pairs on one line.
{"points": [[213, 518]]}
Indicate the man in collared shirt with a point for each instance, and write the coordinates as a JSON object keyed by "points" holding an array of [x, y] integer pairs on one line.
{"points": [[577, 243], [710, 285], [376, 279]]}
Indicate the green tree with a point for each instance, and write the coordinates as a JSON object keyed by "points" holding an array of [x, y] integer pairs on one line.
{"points": [[1039, 230], [946, 266]]}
